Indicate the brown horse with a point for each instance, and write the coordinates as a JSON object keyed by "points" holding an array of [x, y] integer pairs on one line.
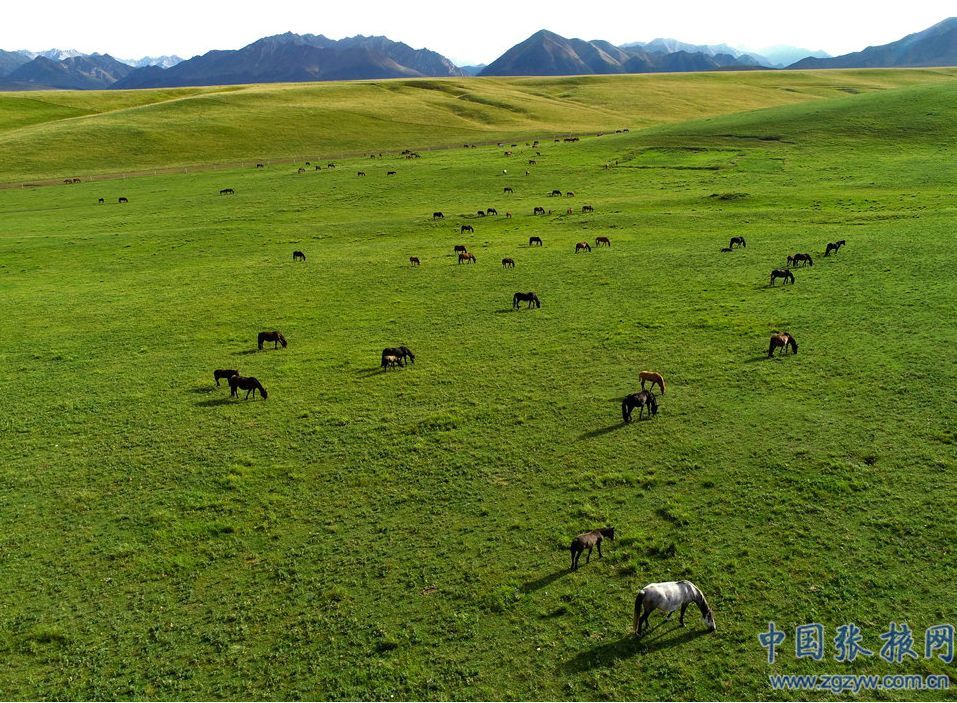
{"points": [[737, 241], [466, 257], [272, 337], [414, 261], [602, 241], [782, 273], [298, 256], [508, 190], [800, 259], [640, 400], [459, 248], [467, 228], [224, 374], [834, 246], [508, 263], [438, 216], [653, 378], [589, 540], [390, 361], [250, 385], [538, 211], [587, 208], [491, 211], [534, 241], [582, 246], [782, 340], [227, 191]]}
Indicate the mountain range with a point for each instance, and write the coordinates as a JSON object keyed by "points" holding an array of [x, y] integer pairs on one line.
{"points": [[299, 58]]}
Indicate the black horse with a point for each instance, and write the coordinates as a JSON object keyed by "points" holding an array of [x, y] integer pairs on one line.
{"points": [[800, 259], [402, 353], [122, 200], [834, 246], [272, 337], [298, 256], [538, 211], [640, 400], [250, 385], [438, 216], [227, 191], [467, 228], [508, 263], [737, 240], [491, 211], [529, 298], [534, 241], [782, 273], [224, 373]]}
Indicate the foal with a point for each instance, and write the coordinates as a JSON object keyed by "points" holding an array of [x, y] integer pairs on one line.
{"points": [[589, 540], [654, 378], [667, 597]]}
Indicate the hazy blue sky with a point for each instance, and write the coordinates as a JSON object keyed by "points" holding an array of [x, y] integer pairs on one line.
{"points": [[466, 32]]}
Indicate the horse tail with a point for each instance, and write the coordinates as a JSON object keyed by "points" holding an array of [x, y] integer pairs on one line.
{"points": [[625, 415], [638, 603]]}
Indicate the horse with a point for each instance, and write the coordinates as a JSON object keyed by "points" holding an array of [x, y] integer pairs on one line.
{"points": [[491, 211], [800, 259], [508, 216], [390, 173], [529, 298], [467, 228], [538, 211], [782, 273], [466, 257], [834, 246], [556, 193], [122, 200], [101, 201], [250, 385], [330, 165], [227, 191], [668, 597], [318, 167], [390, 361], [508, 263], [301, 170], [582, 246], [534, 241], [298, 256], [480, 213], [224, 373], [569, 211], [507, 190], [360, 173], [459, 248], [782, 340], [532, 162], [437, 216], [652, 377], [414, 261], [570, 194], [402, 353], [272, 337], [737, 240], [589, 540], [260, 166], [640, 400], [602, 241], [587, 208]]}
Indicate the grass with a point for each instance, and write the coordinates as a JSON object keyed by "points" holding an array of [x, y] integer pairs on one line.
{"points": [[368, 535]]}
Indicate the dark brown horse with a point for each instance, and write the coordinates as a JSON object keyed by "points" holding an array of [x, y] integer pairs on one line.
{"points": [[437, 216], [737, 241], [225, 374], [122, 200], [491, 211], [782, 340], [227, 191], [298, 256], [640, 400], [602, 241], [466, 228], [390, 173], [402, 353], [414, 261], [466, 258], [800, 259], [272, 337], [834, 246], [534, 241], [459, 248], [589, 540], [250, 385], [587, 208], [508, 190], [555, 194], [508, 263], [529, 298], [582, 246], [782, 273], [538, 210]]}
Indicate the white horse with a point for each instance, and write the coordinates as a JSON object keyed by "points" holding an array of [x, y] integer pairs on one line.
{"points": [[668, 597]]}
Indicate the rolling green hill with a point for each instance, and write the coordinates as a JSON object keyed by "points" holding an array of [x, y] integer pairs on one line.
{"points": [[364, 534]]}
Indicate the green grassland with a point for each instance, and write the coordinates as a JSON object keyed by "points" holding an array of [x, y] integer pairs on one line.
{"points": [[367, 534]]}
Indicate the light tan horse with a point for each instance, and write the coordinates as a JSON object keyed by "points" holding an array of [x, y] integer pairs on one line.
{"points": [[653, 377]]}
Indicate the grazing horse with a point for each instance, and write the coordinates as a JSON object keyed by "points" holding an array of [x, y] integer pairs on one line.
{"points": [[737, 240], [227, 191], [301, 170], [653, 378], [491, 211], [250, 385], [587, 208], [508, 190], [459, 248], [668, 597], [529, 298], [224, 373], [589, 540], [273, 336], [298, 256], [800, 259], [402, 353], [582, 246], [782, 273], [101, 201], [834, 246], [534, 241], [390, 173], [640, 400], [414, 261], [532, 162], [260, 166], [782, 340], [467, 228], [508, 263], [602, 241], [570, 194], [122, 200], [318, 167], [538, 211], [466, 257], [437, 216], [330, 165], [360, 173]]}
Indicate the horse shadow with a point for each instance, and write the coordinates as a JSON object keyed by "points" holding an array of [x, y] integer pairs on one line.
{"points": [[538, 583], [501, 311], [202, 389], [247, 352], [755, 359], [213, 402], [601, 431], [606, 655], [370, 371]]}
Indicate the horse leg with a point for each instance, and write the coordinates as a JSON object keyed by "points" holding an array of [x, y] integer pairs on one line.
{"points": [[681, 619], [588, 558], [599, 550], [643, 621]]}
